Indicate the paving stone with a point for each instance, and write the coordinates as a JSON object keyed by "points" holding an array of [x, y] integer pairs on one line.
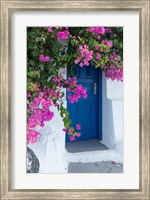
{"points": [[97, 167]]}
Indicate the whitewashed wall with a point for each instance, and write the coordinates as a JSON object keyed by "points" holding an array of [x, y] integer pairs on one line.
{"points": [[50, 147], [112, 116]]}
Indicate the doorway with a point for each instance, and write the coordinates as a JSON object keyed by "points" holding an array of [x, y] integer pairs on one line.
{"points": [[88, 112]]}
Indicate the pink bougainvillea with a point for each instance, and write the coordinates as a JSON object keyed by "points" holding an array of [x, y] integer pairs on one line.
{"points": [[32, 135], [78, 127], [96, 30], [44, 58], [76, 91], [87, 46], [85, 56], [39, 110], [63, 34]]}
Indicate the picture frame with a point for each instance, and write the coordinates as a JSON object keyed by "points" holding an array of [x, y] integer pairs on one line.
{"points": [[7, 7]]}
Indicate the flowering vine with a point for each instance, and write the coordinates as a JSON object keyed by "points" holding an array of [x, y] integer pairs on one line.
{"points": [[53, 51]]}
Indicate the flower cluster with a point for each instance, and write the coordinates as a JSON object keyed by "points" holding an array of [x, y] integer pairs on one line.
{"points": [[97, 31], [72, 133], [108, 30], [114, 73], [39, 111], [108, 43], [71, 83], [85, 56], [44, 58], [98, 56], [76, 91], [114, 70], [63, 34], [32, 135], [79, 92], [50, 29], [58, 79]]}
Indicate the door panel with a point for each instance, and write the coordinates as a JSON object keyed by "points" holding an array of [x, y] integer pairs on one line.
{"points": [[84, 112]]}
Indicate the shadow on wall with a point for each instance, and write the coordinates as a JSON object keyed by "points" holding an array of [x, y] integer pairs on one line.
{"points": [[108, 137]]}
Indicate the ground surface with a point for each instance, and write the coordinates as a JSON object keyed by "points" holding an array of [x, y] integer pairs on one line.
{"points": [[91, 167], [97, 167]]}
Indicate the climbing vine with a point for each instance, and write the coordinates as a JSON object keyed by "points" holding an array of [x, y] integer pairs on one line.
{"points": [[54, 51]]}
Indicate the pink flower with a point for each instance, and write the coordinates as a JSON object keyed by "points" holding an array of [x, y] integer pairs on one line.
{"points": [[81, 64], [64, 71], [79, 92], [105, 51], [85, 55], [64, 129], [70, 131], [96, 30], [77, 60], [72, 138], [28, 95], [78, 134], [98, 37], [109, 43], [44, 59], [63, 35], [98, 56], [78, 127], [33, 106], [96, 47], [32, 135], [50, 29]]}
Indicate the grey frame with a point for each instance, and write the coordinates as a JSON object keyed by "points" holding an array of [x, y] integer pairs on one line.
{"points": [[7, 7]]}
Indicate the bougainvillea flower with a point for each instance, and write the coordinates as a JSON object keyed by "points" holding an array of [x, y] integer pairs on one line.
{"points": [[63, 35], [44, 58], [32, 135], [78, 127], [78, 134], [72, 138]]}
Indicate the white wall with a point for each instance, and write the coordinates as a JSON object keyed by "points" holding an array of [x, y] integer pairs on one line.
{"points": [[112, 116], [50, 147]]}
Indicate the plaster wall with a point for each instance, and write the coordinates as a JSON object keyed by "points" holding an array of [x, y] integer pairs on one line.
{"points": [[112, 114]]}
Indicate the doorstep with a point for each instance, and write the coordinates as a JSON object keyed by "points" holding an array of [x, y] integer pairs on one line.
{"points": [[85, 145]]}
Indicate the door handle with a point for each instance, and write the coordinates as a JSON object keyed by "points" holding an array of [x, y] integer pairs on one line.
{"points": [[95, 88]]}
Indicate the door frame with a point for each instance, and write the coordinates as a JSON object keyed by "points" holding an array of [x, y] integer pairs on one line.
{"points": [[99, 123]]}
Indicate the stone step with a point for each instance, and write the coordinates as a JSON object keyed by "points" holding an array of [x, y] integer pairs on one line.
{"points": [[95, 156], [96, 167]]}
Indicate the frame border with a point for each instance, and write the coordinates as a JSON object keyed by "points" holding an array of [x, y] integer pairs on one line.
{"points": [[7, 7]]}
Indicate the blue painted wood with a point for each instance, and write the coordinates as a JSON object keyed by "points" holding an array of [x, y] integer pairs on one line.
{"points": [[86, 111]]}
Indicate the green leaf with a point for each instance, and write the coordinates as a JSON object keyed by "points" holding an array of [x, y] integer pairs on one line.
{"points": [[38, 39], [68, 124], [31, 62]]}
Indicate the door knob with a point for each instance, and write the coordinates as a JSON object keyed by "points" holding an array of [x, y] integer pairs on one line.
{"points": [[95, 88]]}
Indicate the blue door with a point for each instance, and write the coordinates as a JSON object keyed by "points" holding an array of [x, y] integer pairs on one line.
{"points": [[87, 112]]}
